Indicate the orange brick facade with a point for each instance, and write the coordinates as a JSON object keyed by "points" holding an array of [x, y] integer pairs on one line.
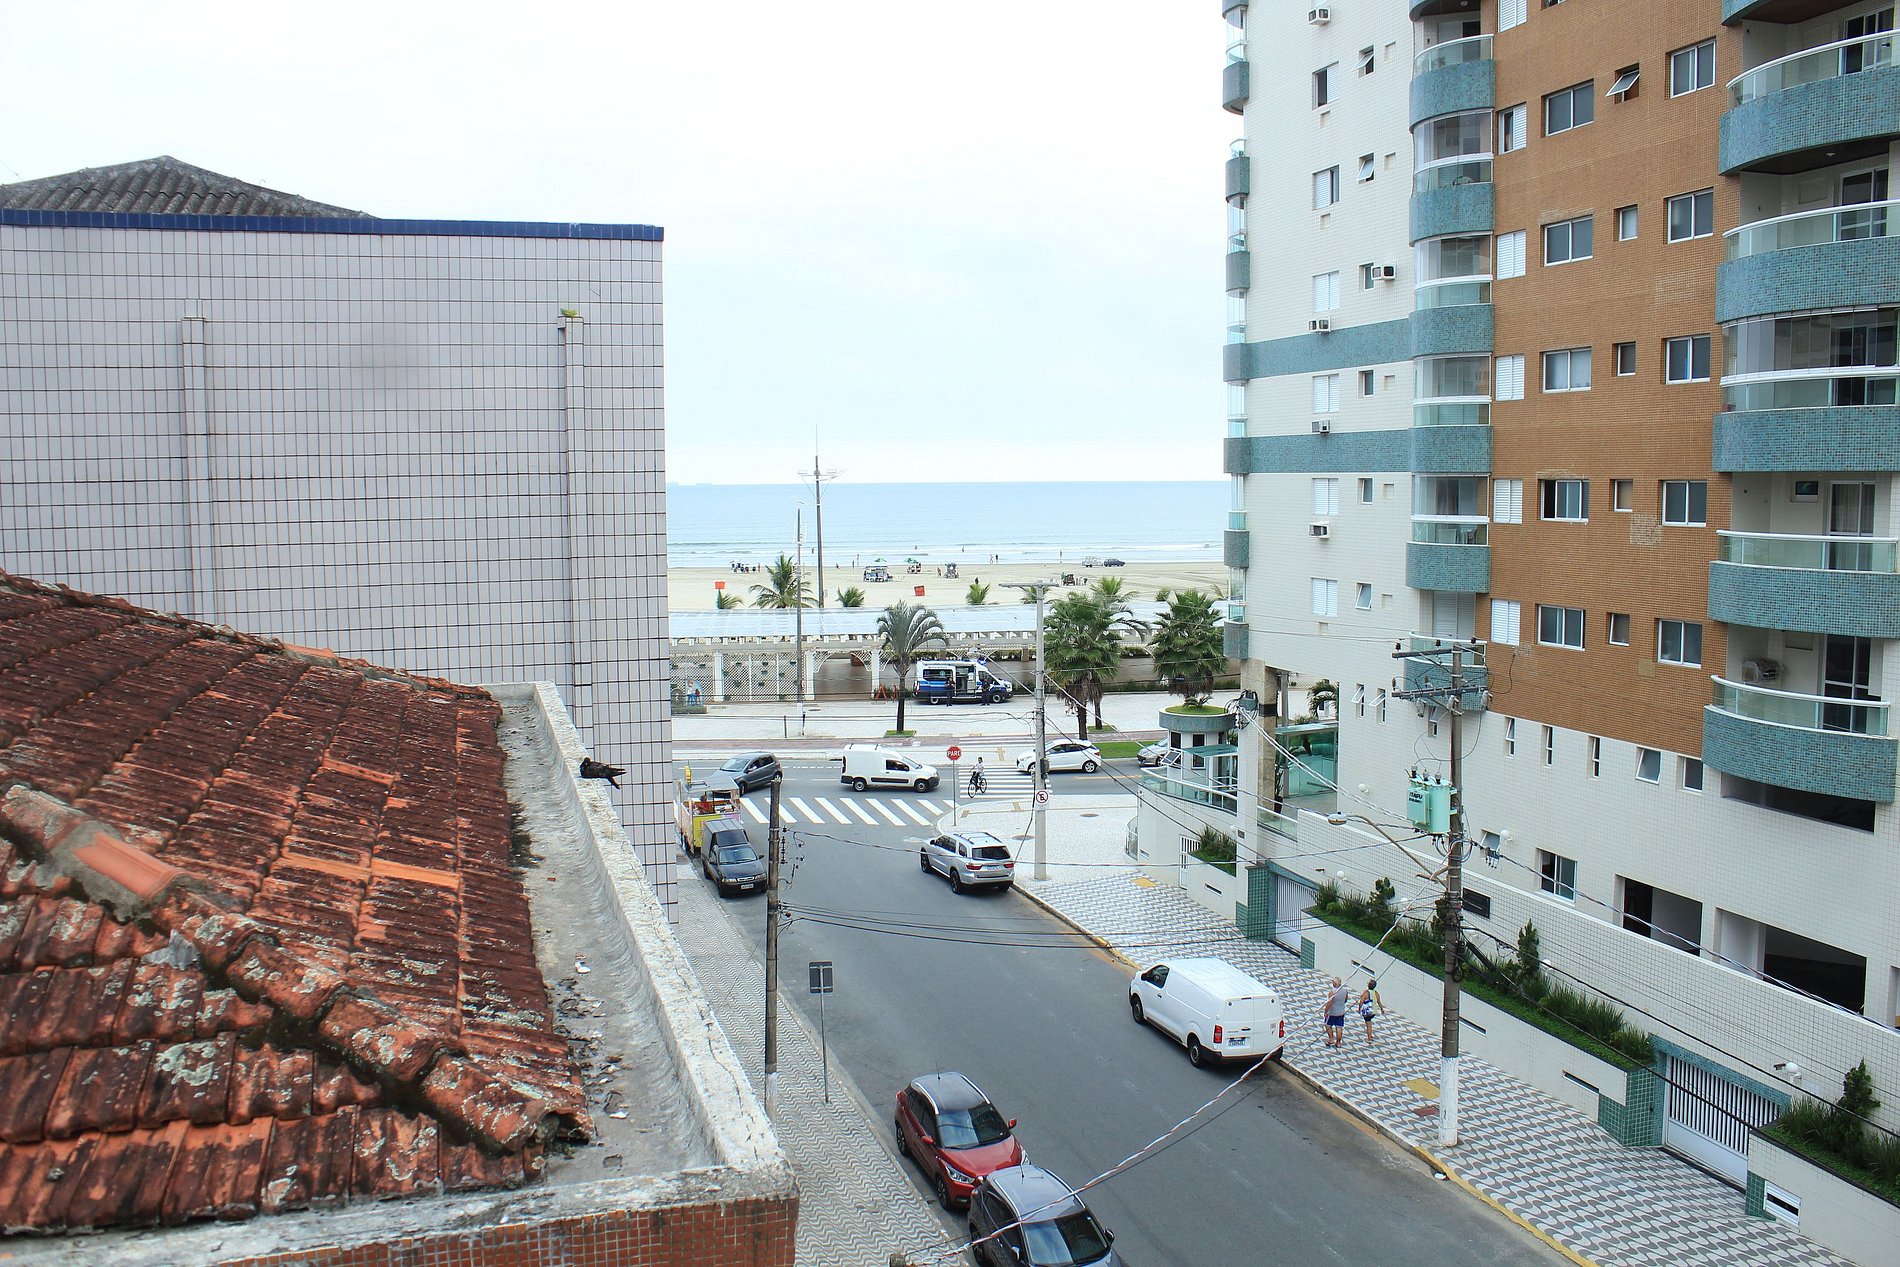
{"points": [[1639, 151]]}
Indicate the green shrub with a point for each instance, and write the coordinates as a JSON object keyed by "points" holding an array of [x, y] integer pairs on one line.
{"points": [[1217, 847]]}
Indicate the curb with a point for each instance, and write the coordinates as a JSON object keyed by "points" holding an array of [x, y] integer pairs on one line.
{"points": [[1114, 953]]}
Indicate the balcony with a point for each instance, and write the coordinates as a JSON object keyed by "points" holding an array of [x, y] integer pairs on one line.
{"points": [[1236, 548], [1233, 639], [1452, 411], [1452, 292], [1195, 786], [1817, 107], [1235, 86], [1816, 744], [1451, 329], [1454, 76], [1436, 672], [1827, 438], [1837, 257], [1456, 569], [1450, 450], [1826, 387], [1846, 586], [1452, 198]]}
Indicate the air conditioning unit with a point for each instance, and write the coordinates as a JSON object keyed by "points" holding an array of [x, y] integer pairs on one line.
{"points": [[1319, 16], [1322, 530], [1385, 273], [1322, 426], [1320, 325], [1763, 670]]}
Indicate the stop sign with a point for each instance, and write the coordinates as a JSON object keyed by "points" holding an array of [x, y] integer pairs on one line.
{"points": [[953, 752]]}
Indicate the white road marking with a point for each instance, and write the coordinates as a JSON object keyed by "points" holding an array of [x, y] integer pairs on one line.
{"points": [[858, 809], [758, 815], [914, 815], [806, 810], [885, 810], [825, 804]]}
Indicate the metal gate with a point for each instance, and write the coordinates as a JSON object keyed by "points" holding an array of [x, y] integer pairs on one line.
{"points": [[1709, 1117], [1290, 900]]}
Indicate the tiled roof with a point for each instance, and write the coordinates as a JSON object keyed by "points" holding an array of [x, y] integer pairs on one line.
{"points": [[261, 943], [162, 186]]}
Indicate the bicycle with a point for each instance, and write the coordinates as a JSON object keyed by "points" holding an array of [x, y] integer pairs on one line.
{"points": [[977, 783]]}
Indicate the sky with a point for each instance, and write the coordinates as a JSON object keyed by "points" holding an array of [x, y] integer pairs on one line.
{"points": [[904, 235]]}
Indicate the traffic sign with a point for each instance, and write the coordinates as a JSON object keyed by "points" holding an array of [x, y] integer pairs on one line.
{"points": [[1042, 796], [953, 752], [820, 970]]}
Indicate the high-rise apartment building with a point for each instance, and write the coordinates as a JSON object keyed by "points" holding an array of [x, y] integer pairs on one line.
{"points": [[1566, 332]]}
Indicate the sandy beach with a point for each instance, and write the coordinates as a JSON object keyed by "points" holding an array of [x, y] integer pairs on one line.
{"points": [[695, 589]]}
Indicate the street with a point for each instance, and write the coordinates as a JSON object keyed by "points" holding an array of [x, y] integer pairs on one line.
{"points": [[993, 986]]}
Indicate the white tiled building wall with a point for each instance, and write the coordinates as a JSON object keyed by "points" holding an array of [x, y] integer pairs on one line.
{"points": [[393, 444]]}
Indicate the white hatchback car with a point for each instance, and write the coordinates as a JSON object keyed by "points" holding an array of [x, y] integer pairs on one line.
{"points": [[1066, 754]]}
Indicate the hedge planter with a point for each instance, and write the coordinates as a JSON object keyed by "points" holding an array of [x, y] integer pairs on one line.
{"points": [[1828, 1209]]}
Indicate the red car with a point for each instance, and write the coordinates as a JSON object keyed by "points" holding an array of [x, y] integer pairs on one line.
{"points": [[947, 1125]]}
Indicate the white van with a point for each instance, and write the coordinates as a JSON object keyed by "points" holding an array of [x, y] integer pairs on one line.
{"points": [[1211, 1007], [867, 766]]}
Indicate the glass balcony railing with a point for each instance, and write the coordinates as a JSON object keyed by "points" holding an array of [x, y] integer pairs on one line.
{"points": [[1815, 228], [1236, 521], [1811, 65], [1236, 612], [1468, 169], [1473, 48], [1452, 412], [1185, 786], [1802, 712], [1452, 292], [1284, 826], [1451, 530], [1818, 554], [1812, 389], [1237, 49], [1237, 332], [1237, 427], [1236, 242]]}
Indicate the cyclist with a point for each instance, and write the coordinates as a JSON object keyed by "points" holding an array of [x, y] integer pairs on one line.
{"points": [[977, 780]]}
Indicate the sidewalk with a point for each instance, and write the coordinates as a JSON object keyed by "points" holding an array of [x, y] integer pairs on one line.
{"points": [[826, 724]]}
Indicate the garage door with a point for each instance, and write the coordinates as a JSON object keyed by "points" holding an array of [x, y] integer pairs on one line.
{"points": [[1709, 1118], [1290, 900]]}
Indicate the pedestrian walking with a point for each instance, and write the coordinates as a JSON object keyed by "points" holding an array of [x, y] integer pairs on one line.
{"points": [[1335, 1011], [1369, 1004]]}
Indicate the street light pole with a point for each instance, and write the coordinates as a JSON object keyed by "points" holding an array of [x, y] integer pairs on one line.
{"points": [[774, 844], [1039, 589], [819, 477]]}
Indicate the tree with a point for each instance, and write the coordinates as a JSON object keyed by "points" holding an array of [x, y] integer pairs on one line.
{"points": [[905, 630], [979, 594], [725, 602], [1188, 649], [1082, 643], [853, 597], [783, 588], [1113, 591], [1322, 698]]}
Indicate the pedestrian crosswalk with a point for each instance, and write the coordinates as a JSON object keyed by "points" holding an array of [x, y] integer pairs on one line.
{"points": [[874, 809]]}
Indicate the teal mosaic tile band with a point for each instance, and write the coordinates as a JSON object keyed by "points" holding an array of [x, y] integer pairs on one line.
{"points": [[1861, 767], [1360, 451], [1239, 176], [1239, 271], [1234, 548], [1379, 343], [1451, 450], [1262, 885], [1451, 89], [1460, 209], [1454, 569], [1849, 604], [1637, 1124], [1841, 438], [1756, 1202], [1445, 331], [1234, 86], [1825, 114], [1233, 640], [1860, 273]]}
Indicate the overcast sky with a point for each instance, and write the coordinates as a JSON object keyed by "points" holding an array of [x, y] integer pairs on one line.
{"points": [[986, 233]]}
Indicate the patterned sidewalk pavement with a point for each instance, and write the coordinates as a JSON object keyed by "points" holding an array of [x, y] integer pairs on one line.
{"points": [[855, 1203], [1537, 1159]]}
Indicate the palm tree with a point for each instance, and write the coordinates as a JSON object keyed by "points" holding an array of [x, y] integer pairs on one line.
{"points": [[1322, 698], [725, 602], [1187, 646], [1113, 591], [905, 630], [1082, 646], [784, 588], [853, 597], [979, 594]]}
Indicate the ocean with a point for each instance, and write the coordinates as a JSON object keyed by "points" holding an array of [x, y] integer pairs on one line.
{"points": [[712, 525]]}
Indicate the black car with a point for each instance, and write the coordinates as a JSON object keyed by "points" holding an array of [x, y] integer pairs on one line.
{"points": [[1055, 1226], [730, 861], [1114, 563], [749, 770]]}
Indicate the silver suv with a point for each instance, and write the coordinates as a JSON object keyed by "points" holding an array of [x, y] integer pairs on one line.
{"points": [[969, 858]]}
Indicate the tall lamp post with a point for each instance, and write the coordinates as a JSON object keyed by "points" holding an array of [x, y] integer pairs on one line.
{"points": [[1040, 765], [819, 477]]}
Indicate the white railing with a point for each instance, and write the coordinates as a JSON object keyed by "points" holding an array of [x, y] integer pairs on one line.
{"points": [[1799, 711], [1815, 228], [1811, 65], [1811, 553], [1472, 48]]}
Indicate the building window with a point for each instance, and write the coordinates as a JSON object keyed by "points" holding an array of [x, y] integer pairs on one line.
{"points": [[1479, 904], [1512, 122], [1326, 496], [1359, 700], [1325, 292], [1507, 501], [1325, 188], [1622, 495], [1567, 370], [1691, 774], [1595, 749], [1649, 765], [1692, 68], [1686, 359], [1679, 642], [1626, 223], [1550, 745], [1624, 89], [1510, 736], [1325, 393], [1557, 875], [1363, 598], [1325, 597], [1365, 492], [1510, 254], [1685, 503], [1367, 167], [1366, 380], [1625, 357], [1324, 80], [1368, 60], [1560, 627], [1569, 240], [1692, 215], [1379, 703], [1510, 14], [1368, 275], [1566, 501], [1508, 384], [1571, 108], [1619, 629], [1504, 621]]}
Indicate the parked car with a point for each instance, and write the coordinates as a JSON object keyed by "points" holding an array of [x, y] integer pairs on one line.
{"points": [[1066, 754], [1114, 563], [1160, 752], [730, 861], [750, 770], [1042, 1222], [1210, 1007], [949, 1127], [969, 859]]}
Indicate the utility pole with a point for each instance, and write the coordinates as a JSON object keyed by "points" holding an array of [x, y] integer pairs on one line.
{"points": [[798, 608], [819, 477], [774, 846], [1038, 766]]}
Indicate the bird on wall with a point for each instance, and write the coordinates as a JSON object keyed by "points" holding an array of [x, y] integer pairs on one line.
{"points": [[592, 769]]}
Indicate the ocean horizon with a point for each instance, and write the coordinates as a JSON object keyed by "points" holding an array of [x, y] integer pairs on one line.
{"points": [[713, 525]]}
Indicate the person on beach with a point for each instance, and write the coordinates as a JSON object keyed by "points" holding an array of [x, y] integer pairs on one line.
{"points": [[1369, 1003], [1335, 1011]]}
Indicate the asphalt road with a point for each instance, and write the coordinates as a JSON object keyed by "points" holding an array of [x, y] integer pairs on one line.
{"points": [[1271, 1173]]}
